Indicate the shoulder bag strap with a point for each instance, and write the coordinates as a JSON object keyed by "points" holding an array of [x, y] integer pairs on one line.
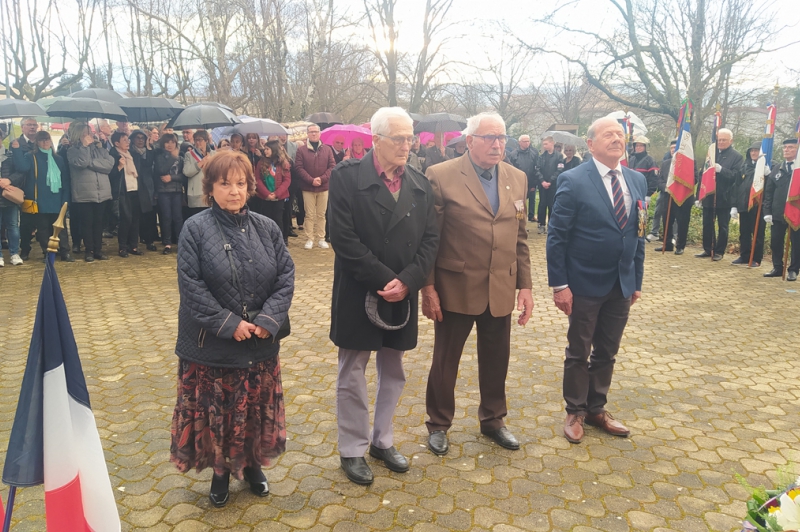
{"points": [[234, 274]]}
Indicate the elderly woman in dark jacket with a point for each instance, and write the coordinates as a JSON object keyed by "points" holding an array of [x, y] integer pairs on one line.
{"points": [[143, 160], [89, 166], [47, 185], [168, 178], [236, 281]]}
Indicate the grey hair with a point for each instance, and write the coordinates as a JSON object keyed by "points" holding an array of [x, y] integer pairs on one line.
{"points": [[593, 128], [474, 122], [524, 137], [379, 123], [726, 131]]}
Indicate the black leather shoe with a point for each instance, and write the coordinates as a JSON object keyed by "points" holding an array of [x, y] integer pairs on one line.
{"points": [[774, 272], [292, 234], [136, 252], [437, 442], [392, 459], [257, 480], [702, 255], [717, 258], [151, 247], [739, 261], [357, 470], [76, 249], [123, 253], [88, 257], [503, 437], [166, 251], [679, 251], [24, 256], [100, 256], [659, 249], [66, 257], [219, 490], [791, 276]]}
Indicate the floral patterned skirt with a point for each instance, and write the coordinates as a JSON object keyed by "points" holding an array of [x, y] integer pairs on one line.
{"points": [[227, 418]]}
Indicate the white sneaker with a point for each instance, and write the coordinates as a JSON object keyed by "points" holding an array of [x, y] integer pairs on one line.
{"points": [[651, 237], [323, 244], [2, 263], [309, 245], [16, 260]]}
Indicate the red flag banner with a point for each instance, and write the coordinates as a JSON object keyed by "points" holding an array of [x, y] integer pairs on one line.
{"points": [[681, 182], [764, 157], [792, 210], [708, 183]]}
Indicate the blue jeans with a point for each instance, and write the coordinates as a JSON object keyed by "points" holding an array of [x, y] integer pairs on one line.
{"points": [[171, 216], [9, 218]]}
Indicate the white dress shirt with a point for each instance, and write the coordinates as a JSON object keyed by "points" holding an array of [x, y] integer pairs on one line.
{"points": [[626, 193]]}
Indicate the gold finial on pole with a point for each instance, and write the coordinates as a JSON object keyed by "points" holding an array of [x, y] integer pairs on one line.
{"points": [[52, 244]]}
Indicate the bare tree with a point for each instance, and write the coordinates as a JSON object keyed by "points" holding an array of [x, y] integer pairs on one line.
{"points": [[571, 99], [665, 50], [507, 86], [429, 65], [38, 47], [382, 25]]}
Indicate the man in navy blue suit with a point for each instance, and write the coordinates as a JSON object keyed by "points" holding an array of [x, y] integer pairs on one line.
{"points": [[595, 264]]}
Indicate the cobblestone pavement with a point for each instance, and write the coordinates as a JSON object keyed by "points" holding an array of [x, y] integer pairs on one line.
{"points": [[707, 380]]}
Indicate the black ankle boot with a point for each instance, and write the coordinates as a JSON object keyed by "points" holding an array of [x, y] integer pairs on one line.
{"points": [[219, 490], [258, 482]]}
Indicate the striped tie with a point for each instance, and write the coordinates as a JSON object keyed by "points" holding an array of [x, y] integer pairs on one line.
{"points": [[619, 200]]}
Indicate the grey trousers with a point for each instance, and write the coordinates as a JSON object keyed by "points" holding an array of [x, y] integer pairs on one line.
{"points": [[352, 408]]}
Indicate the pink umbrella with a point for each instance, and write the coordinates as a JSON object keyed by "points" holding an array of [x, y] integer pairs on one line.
{"points": [[348, 132], [426, 137]]}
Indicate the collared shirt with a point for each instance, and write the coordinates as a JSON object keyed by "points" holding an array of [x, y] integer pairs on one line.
{"points": [[489, 185], [395, 182], [626, 193]]}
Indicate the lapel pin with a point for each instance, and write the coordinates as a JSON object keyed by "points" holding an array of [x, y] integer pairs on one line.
{"points": [[508, 187]]}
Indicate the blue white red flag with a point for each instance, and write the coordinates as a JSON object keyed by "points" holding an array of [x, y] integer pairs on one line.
{"points": [[681, 181], [54, 439], [708, 183], [791, 211], [764, 162]]}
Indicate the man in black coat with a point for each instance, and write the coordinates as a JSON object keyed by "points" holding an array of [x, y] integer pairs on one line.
{"points": [[679, 215], [526, 159], [776, 190], [747, 215], [660, 215], [551, 164], [730, 166], [384, 234], [642, 162]]}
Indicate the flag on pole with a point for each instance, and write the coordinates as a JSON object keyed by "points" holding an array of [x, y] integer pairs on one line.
{"points": [[626, 129], [2, 513], [54, 439], [791, 211], [764, 162], [708, 183], [681, 181]]}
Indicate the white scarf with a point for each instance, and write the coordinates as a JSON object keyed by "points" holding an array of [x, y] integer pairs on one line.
{"points": [[131, 175]]}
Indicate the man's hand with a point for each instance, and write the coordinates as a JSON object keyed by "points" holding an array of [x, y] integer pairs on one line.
{"points": [[165, 179], [202, 163], [637, 295], [718, 167], [525, 304], [86, 140], [563, 300], [5, 183], [734, 211], [767, 171], [317, 182], [431, 306], [394, 291], [698, 203], [121, 163], [15, 144], [545, 185], [768, 219]]}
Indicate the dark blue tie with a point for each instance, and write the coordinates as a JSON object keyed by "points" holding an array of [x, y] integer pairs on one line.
{"points": [[619, 200]]}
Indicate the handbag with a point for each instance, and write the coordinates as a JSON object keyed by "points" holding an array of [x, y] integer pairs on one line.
{"points": [[285, 328], [31, 206], [14, 195]]}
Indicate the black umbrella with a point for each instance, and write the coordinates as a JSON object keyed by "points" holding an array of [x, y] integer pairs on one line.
{"points": [[215, 104], [106, 95], [150, 109], [86, 108], [324, 120], [203, 116], [439, 122], [11, 108]]}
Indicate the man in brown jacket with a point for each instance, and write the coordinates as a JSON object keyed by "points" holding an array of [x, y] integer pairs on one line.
{"points": [[483, 258], [313, 164]]}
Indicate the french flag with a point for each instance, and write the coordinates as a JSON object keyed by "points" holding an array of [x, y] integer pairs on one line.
{"points": [[681, 181], [54, 439]]}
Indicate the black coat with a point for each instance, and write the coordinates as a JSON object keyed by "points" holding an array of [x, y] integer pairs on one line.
{"points": [[377, 240], [144, 169], [744, 185], [776, 190], [550, 167], [165, 164], [528, 162], [663, 173], [732, 165], [645, 165]]}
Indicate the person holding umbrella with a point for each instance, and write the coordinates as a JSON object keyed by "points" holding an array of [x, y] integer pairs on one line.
{"points": [[89, 166], [125, 180], [356, 149], [168, 173]]}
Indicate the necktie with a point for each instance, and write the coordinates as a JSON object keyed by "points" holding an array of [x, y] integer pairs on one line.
{"points": [[487, 175], [789, 167], [619, 200]]}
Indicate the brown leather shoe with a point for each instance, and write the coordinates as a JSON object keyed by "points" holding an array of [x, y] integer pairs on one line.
{"points": [[573, 428], [606, 422]]}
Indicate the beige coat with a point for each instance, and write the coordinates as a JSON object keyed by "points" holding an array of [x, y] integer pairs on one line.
{"points": [[483, 258]]}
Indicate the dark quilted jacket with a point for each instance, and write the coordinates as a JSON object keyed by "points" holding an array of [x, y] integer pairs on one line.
{"points": [[210, 307]]}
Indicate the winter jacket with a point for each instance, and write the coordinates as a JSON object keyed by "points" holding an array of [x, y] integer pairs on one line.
{"points": [[776, 190], [194, 179], [89, 167], [283, 178], [310, 164], [147, 188], [550, 167], [645, 165], [9, 169], [732, 165], [210, 304], [527, 161], [35, 186], [164, 163], [663, 173], [743, 186]]}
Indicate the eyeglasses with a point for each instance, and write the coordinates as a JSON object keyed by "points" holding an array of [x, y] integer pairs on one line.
{"points": [[492, 138], [399, 141]]}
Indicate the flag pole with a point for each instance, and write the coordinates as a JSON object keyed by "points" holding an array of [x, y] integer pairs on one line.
{"points": [[755, 233], [58, 226], [12, 492], [666, 225], [786, 251]]}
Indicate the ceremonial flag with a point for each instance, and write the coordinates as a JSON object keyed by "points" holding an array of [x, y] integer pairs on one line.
{"points": [[627, 128], [764, 161], [681, 181], [54, 439], [791, 211], [708, 183], [2, 513]]}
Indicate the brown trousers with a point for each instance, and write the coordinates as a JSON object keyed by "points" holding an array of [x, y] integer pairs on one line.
{"points": [[494, 346], [595, 322]]}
